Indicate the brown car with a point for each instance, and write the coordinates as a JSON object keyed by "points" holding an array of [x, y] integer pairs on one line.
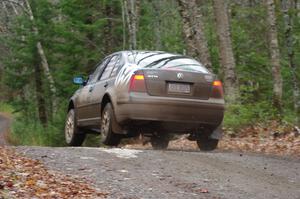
{"points": [[153, 93]]}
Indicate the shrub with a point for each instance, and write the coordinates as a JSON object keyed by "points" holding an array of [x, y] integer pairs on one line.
{"points": [[239, 115]]}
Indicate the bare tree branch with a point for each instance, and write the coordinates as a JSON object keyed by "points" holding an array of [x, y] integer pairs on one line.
{"points": [[14, 2]]}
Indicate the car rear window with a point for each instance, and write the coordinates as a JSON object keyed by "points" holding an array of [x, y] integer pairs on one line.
{"points": [[165, 61]]}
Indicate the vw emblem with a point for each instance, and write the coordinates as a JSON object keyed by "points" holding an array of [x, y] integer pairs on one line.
{"points": [[179, 75]]}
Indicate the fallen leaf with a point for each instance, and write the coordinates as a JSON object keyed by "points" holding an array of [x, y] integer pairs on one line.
{"points": [[203, 191], [9, 184]]}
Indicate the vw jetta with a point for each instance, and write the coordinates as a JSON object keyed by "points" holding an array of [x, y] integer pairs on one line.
{"points": [[153, 93]]}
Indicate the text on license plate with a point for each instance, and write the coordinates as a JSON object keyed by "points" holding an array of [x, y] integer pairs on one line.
{"points": [[179, 88]]}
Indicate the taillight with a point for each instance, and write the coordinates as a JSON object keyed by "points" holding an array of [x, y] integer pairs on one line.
{"points": [[217, 90], [137, 83]]}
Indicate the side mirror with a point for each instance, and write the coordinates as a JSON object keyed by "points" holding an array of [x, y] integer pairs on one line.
{"points": [[78, 80]]}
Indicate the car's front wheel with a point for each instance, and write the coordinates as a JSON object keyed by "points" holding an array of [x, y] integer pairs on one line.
{"points": [[108, 137], [73, 136]]}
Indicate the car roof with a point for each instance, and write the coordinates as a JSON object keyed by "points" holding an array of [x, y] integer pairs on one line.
{"points": [[145, 51]]}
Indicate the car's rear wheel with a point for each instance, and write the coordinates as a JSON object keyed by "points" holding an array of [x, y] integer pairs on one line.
{"points": [[73, 136], [108, 137], [159, 142], [206, 143]]}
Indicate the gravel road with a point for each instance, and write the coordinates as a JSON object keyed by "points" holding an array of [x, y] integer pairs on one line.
{"points": [[129, 173]]}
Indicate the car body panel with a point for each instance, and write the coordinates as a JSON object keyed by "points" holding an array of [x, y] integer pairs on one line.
{"points": [[140, 106]]}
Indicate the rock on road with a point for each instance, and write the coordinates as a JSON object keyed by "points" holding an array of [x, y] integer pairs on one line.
{"points": [[128, 173]]}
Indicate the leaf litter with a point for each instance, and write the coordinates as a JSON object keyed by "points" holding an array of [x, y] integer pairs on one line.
{"points": [[21, 177], [273, 137]]}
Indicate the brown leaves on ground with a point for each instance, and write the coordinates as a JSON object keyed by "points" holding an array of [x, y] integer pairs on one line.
{"points": [[22, 177], [269, 138]]}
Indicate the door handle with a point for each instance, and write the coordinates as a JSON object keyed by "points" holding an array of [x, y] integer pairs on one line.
{"points": [[106, 84], [91, 88]]}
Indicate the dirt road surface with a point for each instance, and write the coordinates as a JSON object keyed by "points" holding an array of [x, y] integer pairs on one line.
{"points": [[130, 173]]}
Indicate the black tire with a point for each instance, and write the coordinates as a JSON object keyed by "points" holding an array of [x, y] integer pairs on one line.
{"points": [[207, 144], [108, 137], [73, 136], [159, 143]]}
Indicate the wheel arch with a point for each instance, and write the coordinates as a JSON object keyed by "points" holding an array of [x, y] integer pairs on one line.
{"points": [[115, 125], [71, 105], [105, 100]]}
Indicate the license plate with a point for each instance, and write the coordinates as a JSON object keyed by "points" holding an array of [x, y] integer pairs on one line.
{"points": [[179, 88]]}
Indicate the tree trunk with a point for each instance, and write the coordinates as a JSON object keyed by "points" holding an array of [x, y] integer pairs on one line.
{"points": [[124, 24], [131, 8], [274, 55], [108, 29], [157, 23], [193, 30], [227, 60], [44, 61], [40, 98], [14, 8], [288, 5], [297, 2]]}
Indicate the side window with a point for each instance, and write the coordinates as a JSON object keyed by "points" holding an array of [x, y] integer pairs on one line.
{"points": [[106, 73], [93, 78], [117, 67]]}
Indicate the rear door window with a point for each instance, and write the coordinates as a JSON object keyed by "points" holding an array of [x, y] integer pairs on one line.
{"points": [[109, 67], [94, 77], [117, 67]]}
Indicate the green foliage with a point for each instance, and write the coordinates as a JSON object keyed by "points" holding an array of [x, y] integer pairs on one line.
{"points": [[27, 131], [237, 116], [30, 133], [6, 108], [76, 34]]}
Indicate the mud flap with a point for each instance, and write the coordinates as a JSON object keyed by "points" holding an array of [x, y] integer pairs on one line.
{"points": [[116, 128], [217, 133]]}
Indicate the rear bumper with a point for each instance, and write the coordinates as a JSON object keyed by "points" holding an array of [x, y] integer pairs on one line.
{"points": [[141, 106]]}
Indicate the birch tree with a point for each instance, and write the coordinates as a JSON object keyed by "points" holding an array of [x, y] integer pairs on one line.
{"points": [[297, 2], [44, 61], [157, 21], [274, 54], [227, 61], [193, 30], [40, 60], [131, 11], [287, 7]]}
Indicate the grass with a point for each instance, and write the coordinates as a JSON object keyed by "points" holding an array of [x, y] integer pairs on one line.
{"points": [[34, 134], [29, 131], [6, 108], [238, 116]]}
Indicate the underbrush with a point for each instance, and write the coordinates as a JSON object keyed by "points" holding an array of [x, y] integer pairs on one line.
{"points": [[6, 108], [33, 133], [29, 131], [238, 116]]}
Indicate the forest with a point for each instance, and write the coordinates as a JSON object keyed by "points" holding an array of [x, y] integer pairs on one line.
{"points": [[253, 46]]}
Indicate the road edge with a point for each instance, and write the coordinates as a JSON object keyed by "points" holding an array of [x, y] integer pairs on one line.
{"points": [[6, 131]]}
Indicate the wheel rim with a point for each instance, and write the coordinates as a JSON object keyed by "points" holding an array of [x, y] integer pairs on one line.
{"points": [[105, 124], [69, 128]]}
